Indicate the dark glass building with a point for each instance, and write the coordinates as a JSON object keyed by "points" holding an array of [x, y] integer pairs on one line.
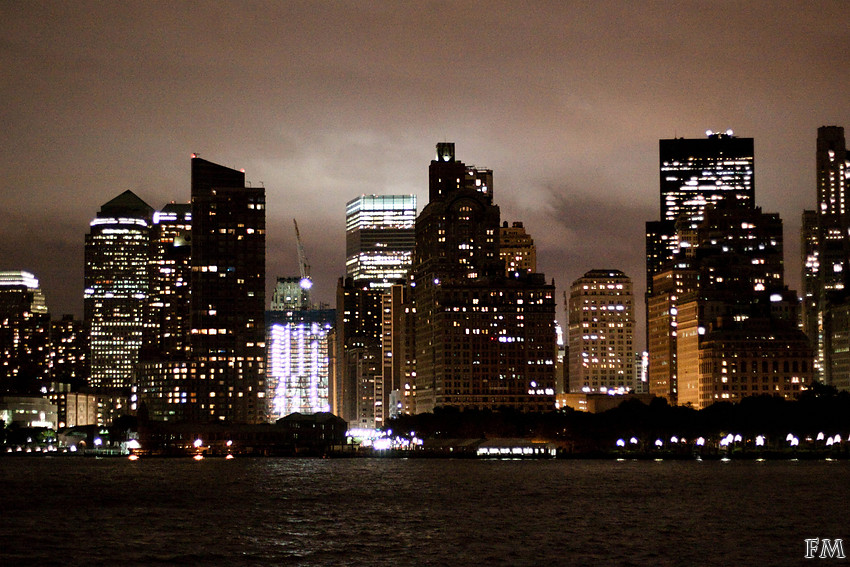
{"points": [[227, 307]]}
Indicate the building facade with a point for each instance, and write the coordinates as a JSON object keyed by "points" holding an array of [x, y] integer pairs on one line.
{"points": [[601, 330], [825, 240], [117, 289], [299, 361], [24, 334], [227, 307], [379, 238]]}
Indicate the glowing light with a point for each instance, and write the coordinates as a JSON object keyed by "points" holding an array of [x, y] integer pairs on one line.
{"points": [[229, 456], [621, 443], [198, 443], [133, 457], [198, 457]]}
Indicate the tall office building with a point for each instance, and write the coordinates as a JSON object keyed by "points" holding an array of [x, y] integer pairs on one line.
{"points": [[357, 387], [117, 288], [601, 329], [164, 369], [24, 334], [171, 275], [826, 254], [669, 287], [379, 238], [810, 268], [482, 340], [696, 173], [227, 307]]}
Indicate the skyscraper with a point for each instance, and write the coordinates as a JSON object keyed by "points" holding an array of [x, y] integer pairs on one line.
{"points": [[379, 238], [696, 173], [171, 276], [164, 368], [117, 288], [601, 329], [228, 296], [482, 340], [358, 378], [24, 334], [826, 252]]}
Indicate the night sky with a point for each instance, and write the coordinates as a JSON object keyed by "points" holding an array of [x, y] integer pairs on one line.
{"points": [[324, 101]]}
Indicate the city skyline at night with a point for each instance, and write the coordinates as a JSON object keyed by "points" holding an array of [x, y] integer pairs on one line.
{"points": [[584, 94]]}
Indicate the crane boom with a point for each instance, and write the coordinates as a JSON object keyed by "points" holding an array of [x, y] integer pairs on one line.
{"points": [[303, 265]]}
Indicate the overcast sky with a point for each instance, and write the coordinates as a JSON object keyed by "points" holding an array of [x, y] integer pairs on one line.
{"points": [[324, 101]]}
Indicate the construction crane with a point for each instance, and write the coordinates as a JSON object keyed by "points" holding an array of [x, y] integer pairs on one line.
{"points": [[306, 283]]}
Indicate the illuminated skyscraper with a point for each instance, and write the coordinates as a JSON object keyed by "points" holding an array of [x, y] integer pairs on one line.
{"points": [[358, 374], [696, 173], [379, 238], [24, 334], [117, 288], [482, 340], [298, 363], [164, 368], [228, 296], [826, 256], [171, 276], [601, 327]]}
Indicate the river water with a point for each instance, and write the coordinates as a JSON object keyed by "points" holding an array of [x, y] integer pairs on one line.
{"points": [[87, 511]]}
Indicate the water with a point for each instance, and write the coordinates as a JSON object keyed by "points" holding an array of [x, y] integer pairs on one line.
{"points": [[86, 511]]}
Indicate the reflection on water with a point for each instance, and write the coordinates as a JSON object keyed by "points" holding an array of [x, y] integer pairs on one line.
{"points": [[79, 511]]}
